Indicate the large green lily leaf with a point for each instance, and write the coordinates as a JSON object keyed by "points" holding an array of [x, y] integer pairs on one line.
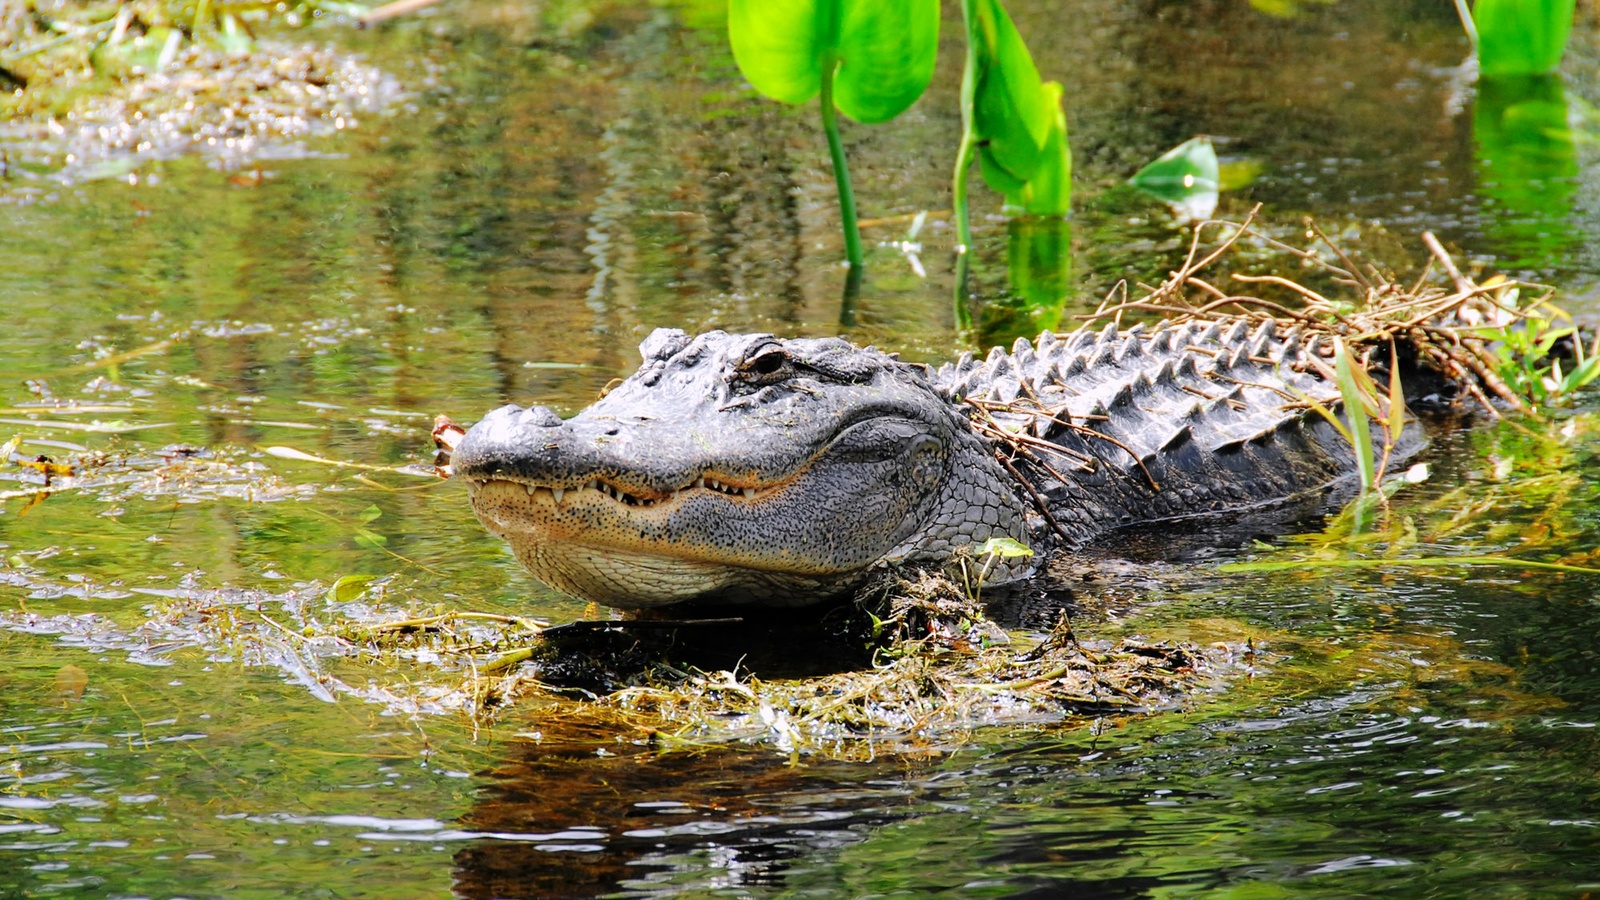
{"points": [[1012, 113], [779, 46], [887, 49], [1521, 37], [884, 50]]}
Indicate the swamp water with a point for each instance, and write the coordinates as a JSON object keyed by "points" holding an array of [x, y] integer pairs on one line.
{"points": [[557, 183]]}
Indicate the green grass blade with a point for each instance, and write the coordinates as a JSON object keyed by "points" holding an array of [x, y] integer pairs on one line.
{"points": [[1355, 411]]}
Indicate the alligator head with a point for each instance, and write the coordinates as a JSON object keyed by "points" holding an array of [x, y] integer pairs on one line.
{"points": [[734, 469]]}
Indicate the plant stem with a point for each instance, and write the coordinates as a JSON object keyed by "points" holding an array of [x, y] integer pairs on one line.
{"points": [[958, 192], [959, 301], [964, 153], [1467, 24], [958, 184], [841, 172]]}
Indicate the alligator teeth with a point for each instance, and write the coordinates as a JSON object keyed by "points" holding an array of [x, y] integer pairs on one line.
{"points": [[720, 487], [749, 493], [530, 489], [558, 493]]}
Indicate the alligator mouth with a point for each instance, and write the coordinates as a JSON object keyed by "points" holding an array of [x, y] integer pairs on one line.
{"points": [[626, 498]]}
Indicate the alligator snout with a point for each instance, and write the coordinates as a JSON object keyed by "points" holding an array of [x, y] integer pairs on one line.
{"points": [[514, 441], [535, 446]]}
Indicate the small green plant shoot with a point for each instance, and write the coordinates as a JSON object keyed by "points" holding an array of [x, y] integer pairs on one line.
{"points": [[1525, 345]]}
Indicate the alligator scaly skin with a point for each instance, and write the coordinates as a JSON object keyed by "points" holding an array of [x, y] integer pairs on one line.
{"points": [[1167, 421]]}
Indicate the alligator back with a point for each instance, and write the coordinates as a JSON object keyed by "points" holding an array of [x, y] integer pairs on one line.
{"points": [[1153, 423]]}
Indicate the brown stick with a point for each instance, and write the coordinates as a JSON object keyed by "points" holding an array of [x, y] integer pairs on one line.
{"points": [[1462, 282], [1351, 268], [1038, 501], [1300, 289]]}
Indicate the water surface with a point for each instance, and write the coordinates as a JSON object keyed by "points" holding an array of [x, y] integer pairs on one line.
{"points": [[554, 187]]}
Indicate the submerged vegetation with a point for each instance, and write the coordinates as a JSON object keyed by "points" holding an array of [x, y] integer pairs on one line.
{"points": [[91, 89]]}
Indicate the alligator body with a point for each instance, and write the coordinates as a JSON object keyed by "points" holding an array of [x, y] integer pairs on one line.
{"points": [[748, 469]]}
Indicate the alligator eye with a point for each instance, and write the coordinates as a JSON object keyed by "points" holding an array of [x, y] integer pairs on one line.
{"points": [[771, 364]]}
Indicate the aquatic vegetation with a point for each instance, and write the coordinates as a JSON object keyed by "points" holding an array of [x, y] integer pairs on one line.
{"points": [[1519, 37], [1530, 499], [870, 59], [1011, 120], [1187, 177], [1525, 339]]}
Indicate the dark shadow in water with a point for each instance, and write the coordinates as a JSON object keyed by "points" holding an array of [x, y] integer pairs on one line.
{"points": [[808, 642]]}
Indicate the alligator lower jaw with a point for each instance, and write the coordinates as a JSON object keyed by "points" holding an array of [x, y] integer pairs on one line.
{"points": [[591, 545]]}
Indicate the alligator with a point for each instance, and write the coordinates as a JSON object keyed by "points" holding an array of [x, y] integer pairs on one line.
{"points": [[749, 469]]}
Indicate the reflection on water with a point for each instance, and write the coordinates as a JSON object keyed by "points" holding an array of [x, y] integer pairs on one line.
{"points": [[581, 173], [1528, 166]]}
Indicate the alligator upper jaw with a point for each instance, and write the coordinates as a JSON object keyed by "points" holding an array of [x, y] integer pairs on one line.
{"points": [[628, 495]]}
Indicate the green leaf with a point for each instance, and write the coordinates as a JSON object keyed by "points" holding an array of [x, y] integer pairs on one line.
{"points": [[778, 46], [1355, 410], [1012, 113], [1049, 191], [1239, 174], [1580, 377], [1521, 37], [349, 587], [1187, 176], [371, 539], [1004, 547], [1397, 403], [887, 49], [884, 50], [370, 514], [233, 37]]}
